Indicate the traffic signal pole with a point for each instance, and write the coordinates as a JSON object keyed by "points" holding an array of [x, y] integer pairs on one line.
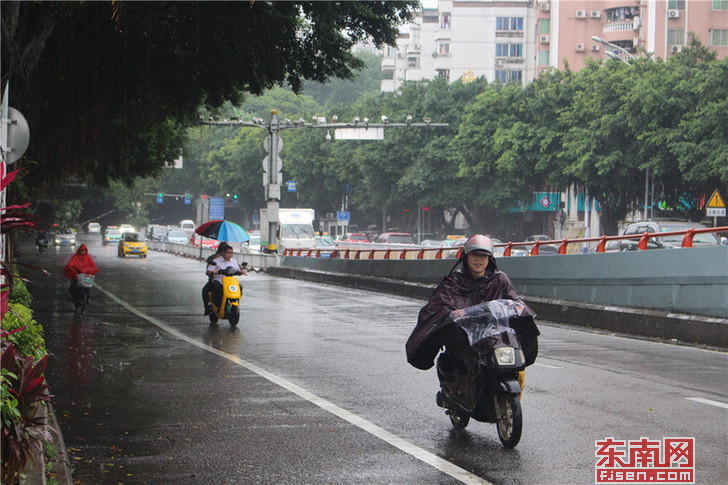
{"points": [[272, 163]]}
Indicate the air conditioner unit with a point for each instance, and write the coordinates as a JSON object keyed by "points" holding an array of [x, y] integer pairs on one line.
{"points": [[581, 14], [596, 47], [676, 48], [595, 14], [673, 13], [545, 6], [544, 38], [580, 47], [499, 63]]}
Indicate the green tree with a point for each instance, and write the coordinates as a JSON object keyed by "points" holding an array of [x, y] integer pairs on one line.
{"points": [[133, 74]]}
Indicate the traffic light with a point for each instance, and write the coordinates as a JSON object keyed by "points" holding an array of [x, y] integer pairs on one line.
{"points": [[235, 196]]}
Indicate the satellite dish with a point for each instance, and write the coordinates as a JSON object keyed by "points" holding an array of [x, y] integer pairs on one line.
{"points": [[18, 135]]}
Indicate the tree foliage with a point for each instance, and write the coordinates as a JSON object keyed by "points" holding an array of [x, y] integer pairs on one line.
{"points": [[110, 87]]}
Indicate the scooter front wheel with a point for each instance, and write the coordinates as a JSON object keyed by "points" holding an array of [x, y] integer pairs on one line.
{"points": [[510, 419], [213, 318], [458, 420], [234, 317]]}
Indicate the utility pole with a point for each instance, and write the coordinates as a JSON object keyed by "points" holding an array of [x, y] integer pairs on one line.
{"points": [[358, 129]]}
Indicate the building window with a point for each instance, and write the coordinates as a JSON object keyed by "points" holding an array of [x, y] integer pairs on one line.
{"points": [[443, 48], [720, 5], [544, 26], [445, 21], [543, 58], [505, 76], [509, 23], [622, 13], [443, 73], [719, 37], [676, 37], [676, 4], [387, 74], [390, 51], [509, 50], [413, 62], [429, 18]]}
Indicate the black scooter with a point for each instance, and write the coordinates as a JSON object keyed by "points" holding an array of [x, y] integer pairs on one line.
{"points": [[479, 374]]}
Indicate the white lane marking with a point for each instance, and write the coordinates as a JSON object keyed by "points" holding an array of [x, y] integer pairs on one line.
{"points": [[708, 401], [421, 454], [539, 364]]}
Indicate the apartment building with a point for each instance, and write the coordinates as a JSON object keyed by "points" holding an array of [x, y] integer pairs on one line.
{"points": [[465, 39], [573, 30]]}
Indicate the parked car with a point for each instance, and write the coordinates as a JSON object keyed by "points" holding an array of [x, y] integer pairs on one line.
{"points": [[197, 241], [253, 245], [177, 236], [126, 228], [156, 232], [64, 237], [132, 243], [326, 244], [395, 238], [94, 228], [660, 242], [544, 249], [355, 237], [111, 234]]}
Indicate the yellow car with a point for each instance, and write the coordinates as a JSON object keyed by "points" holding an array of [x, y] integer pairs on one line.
{"points": [[132, 243]]}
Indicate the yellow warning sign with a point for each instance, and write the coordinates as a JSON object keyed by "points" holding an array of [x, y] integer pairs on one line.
{"points": [[716, 200]]}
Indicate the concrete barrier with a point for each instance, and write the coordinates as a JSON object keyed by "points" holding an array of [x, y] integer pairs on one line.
{"points": [[679, 294]]}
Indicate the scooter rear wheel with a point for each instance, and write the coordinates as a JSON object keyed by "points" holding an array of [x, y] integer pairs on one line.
{"points": [[510, 420]]}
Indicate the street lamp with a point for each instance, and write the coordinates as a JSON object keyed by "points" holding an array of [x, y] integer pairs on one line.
{"points": [[615, 46]]}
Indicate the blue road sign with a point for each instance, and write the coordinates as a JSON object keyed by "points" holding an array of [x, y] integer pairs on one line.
{"points": [[292, 186], [217, 208], [160, 199]]}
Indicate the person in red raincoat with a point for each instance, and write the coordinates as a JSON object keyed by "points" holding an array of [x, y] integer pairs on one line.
{"points": [[80, 263]]}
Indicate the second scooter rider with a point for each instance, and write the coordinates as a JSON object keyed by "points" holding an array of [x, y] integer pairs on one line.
{"points": [[223, 260]]}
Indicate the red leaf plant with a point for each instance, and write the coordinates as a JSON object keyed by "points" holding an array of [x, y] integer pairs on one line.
{"points": [[24, 433]]}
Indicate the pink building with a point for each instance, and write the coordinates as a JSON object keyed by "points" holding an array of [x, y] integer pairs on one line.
{"points": [[578, 29]]}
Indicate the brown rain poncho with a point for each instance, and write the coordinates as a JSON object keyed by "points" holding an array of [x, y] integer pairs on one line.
{"points": [[460, 289]]}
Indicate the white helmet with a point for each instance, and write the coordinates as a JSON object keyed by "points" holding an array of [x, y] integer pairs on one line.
{"points": [[478, 242]]}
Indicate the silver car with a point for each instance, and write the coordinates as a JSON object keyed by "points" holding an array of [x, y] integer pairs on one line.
{"points": [[660, 242], [64, 237]]}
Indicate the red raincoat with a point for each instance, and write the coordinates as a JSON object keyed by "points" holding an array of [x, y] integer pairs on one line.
{"points": [[460, 289], [80, 264]]}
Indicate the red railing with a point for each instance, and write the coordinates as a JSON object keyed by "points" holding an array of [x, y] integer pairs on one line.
{"points": [[687, 242]]}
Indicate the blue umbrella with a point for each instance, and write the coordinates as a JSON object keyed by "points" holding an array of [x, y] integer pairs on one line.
{"points": [[223, 231]]}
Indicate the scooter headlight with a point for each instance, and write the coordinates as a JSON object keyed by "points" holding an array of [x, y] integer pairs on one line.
{"points": [[233, 288], [505, 355]]}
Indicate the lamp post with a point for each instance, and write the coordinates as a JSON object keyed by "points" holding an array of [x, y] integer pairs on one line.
{"points": [[614, 46]]}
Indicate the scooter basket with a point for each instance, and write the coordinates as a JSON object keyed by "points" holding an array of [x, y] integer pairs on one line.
{"points": [[85, 280]]}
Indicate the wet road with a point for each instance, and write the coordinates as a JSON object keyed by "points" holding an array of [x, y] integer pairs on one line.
{"points": [[313, 387]]}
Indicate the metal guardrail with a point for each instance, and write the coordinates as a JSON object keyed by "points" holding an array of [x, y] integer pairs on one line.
{"points": [[393, 251]]}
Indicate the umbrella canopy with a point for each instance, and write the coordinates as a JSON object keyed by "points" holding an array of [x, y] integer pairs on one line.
{"points": [[223, 231]]}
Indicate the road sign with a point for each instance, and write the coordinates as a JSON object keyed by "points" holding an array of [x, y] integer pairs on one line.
{"points": [[342, 218], [715, 212], [217, 208], [291, 186], [160, 199], [716, 201], [545, 201]]}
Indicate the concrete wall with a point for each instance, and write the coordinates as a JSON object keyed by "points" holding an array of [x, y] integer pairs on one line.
{"points": [[686, 280]]}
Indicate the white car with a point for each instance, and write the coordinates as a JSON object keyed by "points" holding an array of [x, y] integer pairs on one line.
{"points": [[126, 228], [177, 236], [94, 228]]}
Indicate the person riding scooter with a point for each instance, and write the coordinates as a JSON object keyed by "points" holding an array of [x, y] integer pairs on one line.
{"points": [[41, 241], [477, 281], [223, 261], [206, 288]]}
